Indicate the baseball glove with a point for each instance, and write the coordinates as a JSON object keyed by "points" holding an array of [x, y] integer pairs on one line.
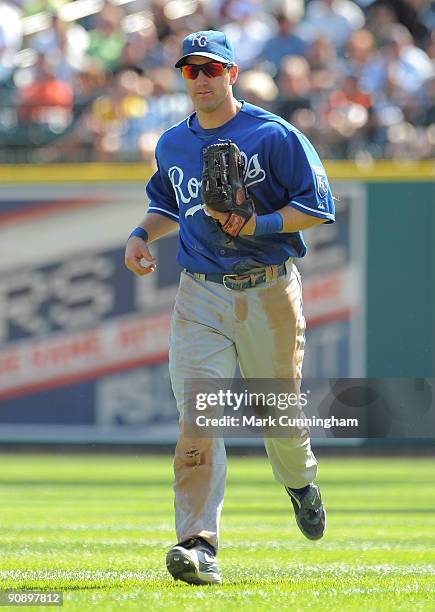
{"points": [[223, 188]]}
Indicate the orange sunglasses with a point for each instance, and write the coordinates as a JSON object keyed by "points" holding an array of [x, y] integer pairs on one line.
{"points": [[210, 69]]}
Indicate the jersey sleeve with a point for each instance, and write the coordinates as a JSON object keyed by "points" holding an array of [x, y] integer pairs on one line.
{"points": [[300, 171], [161, 193]]}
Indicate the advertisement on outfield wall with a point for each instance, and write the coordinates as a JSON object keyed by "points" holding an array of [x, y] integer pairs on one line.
{"points": [[84, 343]]}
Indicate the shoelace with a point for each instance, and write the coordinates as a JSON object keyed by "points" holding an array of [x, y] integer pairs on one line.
{"points": [[312, 515]]}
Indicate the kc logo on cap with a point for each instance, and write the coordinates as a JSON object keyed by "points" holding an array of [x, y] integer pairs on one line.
{"points": [[200, 39]]}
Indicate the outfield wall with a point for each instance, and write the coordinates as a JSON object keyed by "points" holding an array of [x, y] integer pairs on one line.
{"points": [[83, 343]]}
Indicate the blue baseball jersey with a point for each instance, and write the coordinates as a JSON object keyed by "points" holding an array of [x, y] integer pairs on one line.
{"points": [[281, 168]]}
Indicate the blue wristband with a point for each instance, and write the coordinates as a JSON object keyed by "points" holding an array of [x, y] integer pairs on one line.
{"points": [[268, 224], [140, 233]]}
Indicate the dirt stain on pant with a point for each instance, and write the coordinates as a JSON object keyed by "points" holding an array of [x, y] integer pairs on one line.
{"points": [[240, 308], [192, 471], [282, 306]]}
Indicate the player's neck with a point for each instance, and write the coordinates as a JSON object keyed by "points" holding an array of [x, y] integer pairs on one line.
{"points": [[228, 109]]}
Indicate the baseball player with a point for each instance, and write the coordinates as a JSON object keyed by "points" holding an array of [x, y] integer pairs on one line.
{"points": [[239, 298]]}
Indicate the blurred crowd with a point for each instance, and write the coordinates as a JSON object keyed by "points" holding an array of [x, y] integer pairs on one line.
{"points": [[93, 80]]}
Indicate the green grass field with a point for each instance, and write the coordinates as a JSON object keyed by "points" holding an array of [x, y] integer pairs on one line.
{"points": [[98, 527]]}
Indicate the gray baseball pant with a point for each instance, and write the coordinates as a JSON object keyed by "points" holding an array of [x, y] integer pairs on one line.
{"points": [[212, 327]]}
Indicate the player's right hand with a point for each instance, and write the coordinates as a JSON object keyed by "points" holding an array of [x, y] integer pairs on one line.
{"points": [[138, 258]]}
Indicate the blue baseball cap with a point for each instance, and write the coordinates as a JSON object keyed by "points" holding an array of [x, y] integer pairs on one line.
{"points": [[209, 43]]}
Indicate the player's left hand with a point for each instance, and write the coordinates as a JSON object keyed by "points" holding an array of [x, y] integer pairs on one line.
{"points": [[247, 230], [223, 188]]}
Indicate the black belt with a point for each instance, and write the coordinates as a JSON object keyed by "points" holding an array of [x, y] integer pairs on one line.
{"points": [[238, 282]]}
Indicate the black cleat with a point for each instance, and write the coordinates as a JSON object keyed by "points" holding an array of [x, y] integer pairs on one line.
{"points": [[309, 511], [194, 562]]}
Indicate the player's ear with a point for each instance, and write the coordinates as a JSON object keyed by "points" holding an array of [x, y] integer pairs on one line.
{"points": [[234, 72]]}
